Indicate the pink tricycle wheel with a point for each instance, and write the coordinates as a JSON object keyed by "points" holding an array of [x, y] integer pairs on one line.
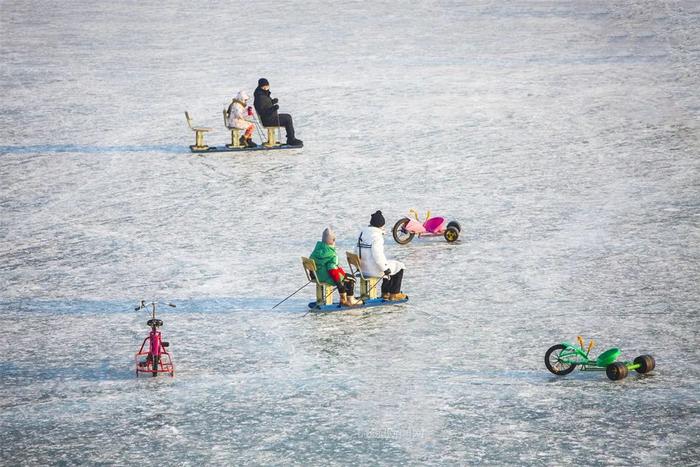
{"points": [[401, 235]]}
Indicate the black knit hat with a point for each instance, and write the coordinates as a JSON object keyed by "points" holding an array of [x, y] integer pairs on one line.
{"points": [[377, 219], [263, 82]]}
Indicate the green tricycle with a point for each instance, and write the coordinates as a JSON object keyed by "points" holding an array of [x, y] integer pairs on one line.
{"points": [[561, 359]]}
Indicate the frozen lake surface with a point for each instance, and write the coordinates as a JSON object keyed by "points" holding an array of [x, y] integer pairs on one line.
{"points": [[563, 136]]}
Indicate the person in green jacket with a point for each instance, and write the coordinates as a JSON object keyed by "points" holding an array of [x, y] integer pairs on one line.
{"points": [[330, 272]]}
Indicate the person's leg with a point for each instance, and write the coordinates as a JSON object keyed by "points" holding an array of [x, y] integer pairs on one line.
{"points": [[249, 136], [286, 122], [385, 288], [395, 286], [349, 287], [343, 291], [347, 294]]}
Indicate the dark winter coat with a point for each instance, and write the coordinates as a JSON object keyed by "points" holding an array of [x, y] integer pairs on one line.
{"points": [[266, 107]]}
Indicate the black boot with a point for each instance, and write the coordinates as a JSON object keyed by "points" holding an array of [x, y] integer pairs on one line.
{"points": [[243, 141], [251, 144], [295, 142]]}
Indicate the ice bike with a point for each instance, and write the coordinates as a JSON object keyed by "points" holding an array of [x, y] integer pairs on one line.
{"points": [[406, 228], [154, 358], [562, 359]]}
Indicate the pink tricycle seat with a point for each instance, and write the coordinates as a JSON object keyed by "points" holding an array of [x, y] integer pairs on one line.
{"points": [[435, 224]]}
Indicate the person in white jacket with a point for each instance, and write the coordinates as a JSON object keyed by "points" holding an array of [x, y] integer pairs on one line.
{"points": [[238, 118], [373, 262]]}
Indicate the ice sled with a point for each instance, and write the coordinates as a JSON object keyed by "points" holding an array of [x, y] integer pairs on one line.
{"points": [[562, 359], [235, 146], [324, 292], [406, 228]]}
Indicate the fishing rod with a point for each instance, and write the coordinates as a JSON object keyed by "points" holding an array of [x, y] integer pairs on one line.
{"points": [[279, 132], [257, 126], [328, 295], [293, 294]]}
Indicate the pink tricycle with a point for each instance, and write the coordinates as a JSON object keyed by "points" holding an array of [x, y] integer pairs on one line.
{"points": [[406, 228], [153, 357]]}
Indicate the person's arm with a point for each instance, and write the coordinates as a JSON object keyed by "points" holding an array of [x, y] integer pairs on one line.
{"points": [[264, 105], [378, 254]]}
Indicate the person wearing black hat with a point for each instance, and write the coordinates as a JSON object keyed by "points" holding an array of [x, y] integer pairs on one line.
{"points": [[373, 262], [267, 108]]}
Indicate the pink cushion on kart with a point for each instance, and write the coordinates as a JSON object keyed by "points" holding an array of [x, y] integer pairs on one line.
{"points": [[434, 224]]}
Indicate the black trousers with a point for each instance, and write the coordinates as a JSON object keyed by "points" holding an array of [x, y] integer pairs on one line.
{"points": [[285, 120], [393, 284], [347, 287]]}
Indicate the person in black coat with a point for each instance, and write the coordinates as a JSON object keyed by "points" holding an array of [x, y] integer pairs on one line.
{"points": [[267, 107]]}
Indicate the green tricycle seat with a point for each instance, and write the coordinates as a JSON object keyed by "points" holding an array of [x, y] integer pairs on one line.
{"points": [[608, 357]]}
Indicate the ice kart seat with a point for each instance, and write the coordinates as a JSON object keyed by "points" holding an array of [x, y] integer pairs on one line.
{"points": [[324, 292], [154, 323], [368, 285], [235, 133], [272, 132], [434, 224], [198, 134], [272, 136]]}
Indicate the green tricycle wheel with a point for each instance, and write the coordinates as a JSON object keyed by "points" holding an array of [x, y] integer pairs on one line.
{"points": [[553, 362]]}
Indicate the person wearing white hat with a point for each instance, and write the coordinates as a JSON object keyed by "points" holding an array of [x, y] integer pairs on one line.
{"points": [[237, 118]]}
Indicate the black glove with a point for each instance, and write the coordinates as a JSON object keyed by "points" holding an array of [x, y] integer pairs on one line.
{"points": [[275, 100], [275, 107], [312, 275], [387, 272]]}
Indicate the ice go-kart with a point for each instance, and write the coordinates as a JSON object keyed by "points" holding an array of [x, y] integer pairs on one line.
{"points": [[562, 359], [406, 228]]}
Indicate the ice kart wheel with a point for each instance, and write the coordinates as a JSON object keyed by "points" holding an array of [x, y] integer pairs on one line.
{"points": [[454, 224], [553, 362], [616, 371], [399, 232], [646, 363], [451, 234]]}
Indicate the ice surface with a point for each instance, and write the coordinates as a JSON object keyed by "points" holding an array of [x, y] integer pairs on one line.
{"points": [[563, 136]]}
